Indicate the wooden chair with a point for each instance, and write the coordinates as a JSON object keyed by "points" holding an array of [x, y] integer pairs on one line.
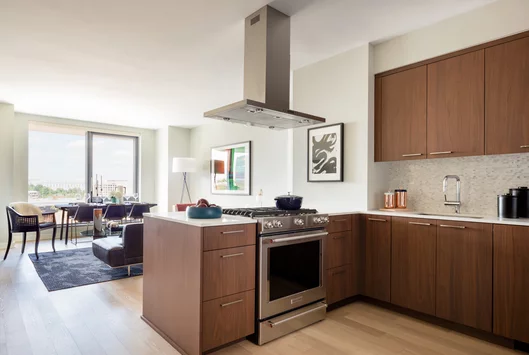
{"points": [[24, 224]]}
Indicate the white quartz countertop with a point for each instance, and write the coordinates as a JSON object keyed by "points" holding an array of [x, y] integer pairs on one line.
{"points": [[441, 217], [180, 217]]}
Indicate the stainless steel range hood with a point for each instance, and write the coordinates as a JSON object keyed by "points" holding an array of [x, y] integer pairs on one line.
{"points": [[266, 76]]}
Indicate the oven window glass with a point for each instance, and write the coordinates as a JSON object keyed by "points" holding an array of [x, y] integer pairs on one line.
{"points": [[293, 268]]}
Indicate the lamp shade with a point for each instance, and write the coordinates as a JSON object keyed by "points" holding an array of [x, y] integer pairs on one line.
{"points": [[184, 165]]}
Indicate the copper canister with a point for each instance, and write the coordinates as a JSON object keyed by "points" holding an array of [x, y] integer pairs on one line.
{"points": [[401, 197], [389, 199]]}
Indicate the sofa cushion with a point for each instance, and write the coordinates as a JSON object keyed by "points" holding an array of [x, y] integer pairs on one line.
{"points": [[109, 250]]}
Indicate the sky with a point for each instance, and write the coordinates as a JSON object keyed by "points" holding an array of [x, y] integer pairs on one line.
{"points": [[61, 157]]}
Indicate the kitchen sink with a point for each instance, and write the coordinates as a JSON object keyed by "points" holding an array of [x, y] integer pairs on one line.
{"points": [[449, 215]]}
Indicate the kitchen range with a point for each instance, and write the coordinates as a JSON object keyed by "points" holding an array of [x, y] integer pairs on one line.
{"points": [[291, 287]]}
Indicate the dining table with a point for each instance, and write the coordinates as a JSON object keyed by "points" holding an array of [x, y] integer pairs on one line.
{"points": [[66, 208]]}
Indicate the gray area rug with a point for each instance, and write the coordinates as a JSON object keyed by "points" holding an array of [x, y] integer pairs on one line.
{"points": [[76, 267]]}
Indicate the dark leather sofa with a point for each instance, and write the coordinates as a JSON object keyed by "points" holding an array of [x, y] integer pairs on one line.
{"points": [[121, 251]]}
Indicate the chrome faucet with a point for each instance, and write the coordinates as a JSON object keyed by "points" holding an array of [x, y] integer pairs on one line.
{"points": [[457, 202]]}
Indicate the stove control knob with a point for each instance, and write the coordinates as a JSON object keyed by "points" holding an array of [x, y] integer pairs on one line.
{"points": [[277, 224], [317, 220], [325, 219], [299, 222], [268, 225]]}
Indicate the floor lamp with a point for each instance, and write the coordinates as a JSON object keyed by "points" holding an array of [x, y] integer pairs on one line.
{"points": [[184, 166]]}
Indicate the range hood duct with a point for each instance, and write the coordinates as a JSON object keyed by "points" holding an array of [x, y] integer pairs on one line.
{"points": [[266, 76]]}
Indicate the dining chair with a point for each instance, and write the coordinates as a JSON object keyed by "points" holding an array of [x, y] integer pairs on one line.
{"points": [[83, 214], [137, 211], [19, 223], [115, 213]]}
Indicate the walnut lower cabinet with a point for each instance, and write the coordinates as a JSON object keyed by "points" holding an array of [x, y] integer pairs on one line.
{"points": [[511, 282], [413, 252], [378, 257], [199, 283], [464, 273], [342, 259]]}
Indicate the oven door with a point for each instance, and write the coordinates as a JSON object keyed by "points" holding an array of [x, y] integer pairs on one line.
{"points": [[291, 271]]}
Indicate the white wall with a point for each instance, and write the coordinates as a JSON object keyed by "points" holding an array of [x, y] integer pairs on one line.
{"points": [[178, 147], [496, 20], [269, 161], [341, 90], [7, 117], [162, 169]]}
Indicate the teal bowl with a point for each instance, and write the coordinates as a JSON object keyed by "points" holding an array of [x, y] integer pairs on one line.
{"points": [[203, 212]]}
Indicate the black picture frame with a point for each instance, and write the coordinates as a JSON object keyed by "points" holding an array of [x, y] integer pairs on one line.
{"points": [[249, 165], [339, 176]]}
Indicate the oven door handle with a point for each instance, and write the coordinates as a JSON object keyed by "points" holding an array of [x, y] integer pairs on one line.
{"points": [[292, 239]]}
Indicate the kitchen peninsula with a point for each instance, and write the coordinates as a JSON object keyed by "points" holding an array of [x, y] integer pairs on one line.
{"points": [[199, 279]]}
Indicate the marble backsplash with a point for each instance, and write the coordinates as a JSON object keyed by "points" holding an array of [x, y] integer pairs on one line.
{"points": [[482, 179]]}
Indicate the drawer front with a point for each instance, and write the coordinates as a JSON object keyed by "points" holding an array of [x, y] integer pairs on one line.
{"points": [[341, 284], [223, 237], [341, 223], [227, 319], [228, 271], [339, 251]]}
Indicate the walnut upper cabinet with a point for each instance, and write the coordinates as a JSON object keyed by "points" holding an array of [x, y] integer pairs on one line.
{"points": [[456, 118], [401, 115], [507, 97]]}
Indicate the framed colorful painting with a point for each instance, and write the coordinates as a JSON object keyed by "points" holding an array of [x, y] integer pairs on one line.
{"points": [[231, 169], [325, 154]]}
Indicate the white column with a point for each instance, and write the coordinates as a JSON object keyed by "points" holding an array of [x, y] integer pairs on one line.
{"points": [[7, 119]]}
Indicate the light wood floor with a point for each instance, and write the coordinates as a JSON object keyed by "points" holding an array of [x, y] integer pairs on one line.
{"points": [[105, 319]]}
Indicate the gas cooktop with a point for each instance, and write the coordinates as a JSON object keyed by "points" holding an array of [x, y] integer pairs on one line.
{"points": [[258, 212]]}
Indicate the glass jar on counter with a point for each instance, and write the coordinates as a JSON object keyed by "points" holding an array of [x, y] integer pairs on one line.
{"points": [[389, 200]]}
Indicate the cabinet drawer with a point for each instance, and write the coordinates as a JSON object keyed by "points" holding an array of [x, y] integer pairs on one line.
{"points": [[339, 224], [223, 237], [227, 319], [228, 271], [339, 251], [341, 284]]}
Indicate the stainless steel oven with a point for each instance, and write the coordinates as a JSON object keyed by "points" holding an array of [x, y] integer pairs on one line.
{"points": [[291, 271]]}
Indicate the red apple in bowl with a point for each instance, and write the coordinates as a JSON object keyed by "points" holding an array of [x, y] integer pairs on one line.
{"points": [[202, 205], [203, 201]]}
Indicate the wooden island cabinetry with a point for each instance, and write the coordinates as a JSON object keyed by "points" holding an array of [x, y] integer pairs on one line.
{"points": [[378, 257], [199, 281]]}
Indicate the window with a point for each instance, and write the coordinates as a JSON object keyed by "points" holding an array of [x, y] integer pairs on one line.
{"points": [[64, 164], [56, 164]]}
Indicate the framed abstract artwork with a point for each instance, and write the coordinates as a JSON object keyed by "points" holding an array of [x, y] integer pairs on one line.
{"points": [[325, 153], [231, 169]]}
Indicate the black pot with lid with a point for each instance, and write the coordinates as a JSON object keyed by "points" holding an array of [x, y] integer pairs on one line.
{"points": [[289, 202], [522, 194]]}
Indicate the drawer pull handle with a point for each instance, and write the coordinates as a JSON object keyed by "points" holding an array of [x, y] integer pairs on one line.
{"points": [[339, 237], [338, 272], [273, 324], [420, 224], [377, 219], [441, 153], [524, 146], [449, 226], [340, 220], [230, 303], [231, 255], [412, 155], [233, 232]]}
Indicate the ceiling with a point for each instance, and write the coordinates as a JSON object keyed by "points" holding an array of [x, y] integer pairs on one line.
{"points": [[123, 62]]}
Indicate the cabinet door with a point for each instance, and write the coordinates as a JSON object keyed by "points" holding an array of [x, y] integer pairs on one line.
{"points": [[378, 257], [464, 273], [511, 286], [401, 112], [413, 252], [340, 284], [338, 249], [456, 120], [507, 97]]}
